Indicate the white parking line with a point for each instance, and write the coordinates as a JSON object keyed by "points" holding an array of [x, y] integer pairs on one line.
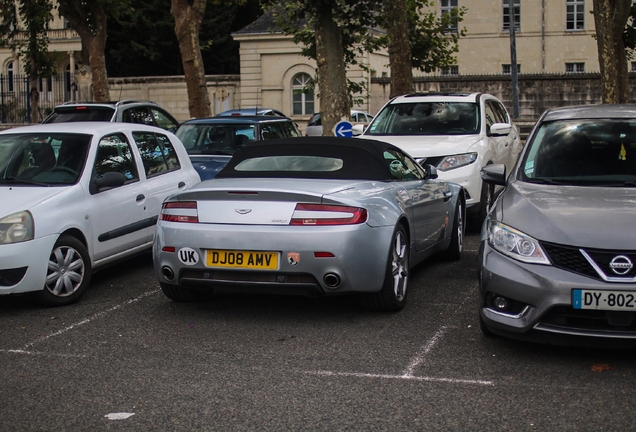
{"points": [[402, 377], [425, 350], [408, 372], [26, 350]]}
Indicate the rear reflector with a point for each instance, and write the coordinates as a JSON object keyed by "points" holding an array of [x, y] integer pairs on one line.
{"points": [[323, 255], [185, 211], [321, 214]]}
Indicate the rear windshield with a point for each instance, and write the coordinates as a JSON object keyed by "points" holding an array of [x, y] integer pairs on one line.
{"points": [[427, 118], [291, 163], [583, 152], [80, 114]]}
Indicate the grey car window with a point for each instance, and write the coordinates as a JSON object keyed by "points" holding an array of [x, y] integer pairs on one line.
{"points": [[157, 153], [114, 155], [163, 120]]}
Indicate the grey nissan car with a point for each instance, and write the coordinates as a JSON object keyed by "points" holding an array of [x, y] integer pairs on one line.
{"points": [[558, 248]]}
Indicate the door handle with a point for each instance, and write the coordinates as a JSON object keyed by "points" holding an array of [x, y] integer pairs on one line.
{"points": [[140, 197], [448, 195], [181, 184]]}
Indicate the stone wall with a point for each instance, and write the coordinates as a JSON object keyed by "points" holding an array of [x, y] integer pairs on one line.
{"points": [[536, 92], [171, 93]]}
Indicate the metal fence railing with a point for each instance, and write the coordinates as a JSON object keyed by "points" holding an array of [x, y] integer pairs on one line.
{"points": [[15, 106]]}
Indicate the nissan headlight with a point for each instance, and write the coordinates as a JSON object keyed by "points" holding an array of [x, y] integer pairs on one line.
{"points": [[456, 161], [515, 244], [16, 228]]}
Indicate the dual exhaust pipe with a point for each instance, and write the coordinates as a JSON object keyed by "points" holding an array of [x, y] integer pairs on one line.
{"points": [[331, 280]]}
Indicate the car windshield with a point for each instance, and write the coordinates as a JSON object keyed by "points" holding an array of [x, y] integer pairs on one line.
{"points": [[427, 118], [215, 139], [80, 114], [586, 152], [42, 159]]}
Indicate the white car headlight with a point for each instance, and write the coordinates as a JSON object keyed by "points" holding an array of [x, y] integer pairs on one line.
{"points": [[515, 244], [456, 161], [16, 228]]}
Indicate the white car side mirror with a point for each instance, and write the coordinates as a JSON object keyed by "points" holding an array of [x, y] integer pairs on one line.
{"points": [[357, 129], [498, 129]]}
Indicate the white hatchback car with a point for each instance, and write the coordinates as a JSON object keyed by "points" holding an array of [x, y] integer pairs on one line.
{"points": [[457, 133], [79, 196]]}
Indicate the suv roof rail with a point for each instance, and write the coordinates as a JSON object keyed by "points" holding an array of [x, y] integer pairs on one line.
{"points": [[129, 101], [433, 93], [87, 102]]}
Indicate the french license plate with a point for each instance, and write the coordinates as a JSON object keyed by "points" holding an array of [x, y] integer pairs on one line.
{"points": [[604, 300], [242, 259]]}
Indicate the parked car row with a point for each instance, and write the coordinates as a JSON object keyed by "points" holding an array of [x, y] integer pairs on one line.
{"points": [[325, 216]]}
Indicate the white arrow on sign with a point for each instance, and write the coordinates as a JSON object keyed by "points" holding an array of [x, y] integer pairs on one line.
{"points": [[342, 131]]}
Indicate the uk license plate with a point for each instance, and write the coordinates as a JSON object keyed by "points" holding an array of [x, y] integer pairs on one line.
{"points": [[260, 260], [604, 300]]}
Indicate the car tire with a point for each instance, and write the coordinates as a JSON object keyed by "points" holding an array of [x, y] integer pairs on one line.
{"points": [[392, 295], [484, 329], [179, 293], [456, 246], [68, 273]]}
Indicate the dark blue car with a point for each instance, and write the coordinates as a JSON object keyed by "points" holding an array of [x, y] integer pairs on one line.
{"points": [[212, 141]]}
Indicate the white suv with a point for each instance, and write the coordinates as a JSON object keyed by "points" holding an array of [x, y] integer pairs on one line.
{"points": [[457, 133]]}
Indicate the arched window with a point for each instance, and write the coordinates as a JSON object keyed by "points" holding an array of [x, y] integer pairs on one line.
{"points": [[10, 76], [302, 96]]}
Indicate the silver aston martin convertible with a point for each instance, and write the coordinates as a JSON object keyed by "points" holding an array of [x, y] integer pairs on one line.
{"points": [[311, 216]]}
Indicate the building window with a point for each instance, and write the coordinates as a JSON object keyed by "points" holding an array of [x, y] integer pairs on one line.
{"points": [[507, 69], [633, 69], [447, 7], [10, 76], [506, 15], [449, 70], [302, 95], [574, 67], [575, 11]]}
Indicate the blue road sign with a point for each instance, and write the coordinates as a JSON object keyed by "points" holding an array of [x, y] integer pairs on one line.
{"points": [[343, 129]]}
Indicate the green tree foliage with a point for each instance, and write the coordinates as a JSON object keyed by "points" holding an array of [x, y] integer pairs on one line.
{"points": [[141, 40], [429, 43], [24, 31]]}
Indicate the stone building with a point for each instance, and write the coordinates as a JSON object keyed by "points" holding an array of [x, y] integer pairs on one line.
{"points": [[554, 45]]}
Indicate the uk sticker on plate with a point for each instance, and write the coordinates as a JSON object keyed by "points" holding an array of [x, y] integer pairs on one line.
{"points": [[604, 300]]}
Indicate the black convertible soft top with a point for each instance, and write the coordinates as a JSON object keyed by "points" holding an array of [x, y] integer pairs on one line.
{"points": [[362, 159]]}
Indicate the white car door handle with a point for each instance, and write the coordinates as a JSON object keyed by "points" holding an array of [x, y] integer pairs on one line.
{"points": [[140, 197]]}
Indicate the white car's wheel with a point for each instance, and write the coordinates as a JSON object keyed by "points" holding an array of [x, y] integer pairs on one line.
{"points": [[68, 274]]}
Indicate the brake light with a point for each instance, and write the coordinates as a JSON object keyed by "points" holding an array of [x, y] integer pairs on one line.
{"points": [[185, 211], [321, 214], [81, 108]]}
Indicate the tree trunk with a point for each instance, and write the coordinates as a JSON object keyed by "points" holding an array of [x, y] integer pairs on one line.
{"points": [[34, 94], [610, 18], [332, 79], [93, 39], [187, 26], [400, 57]]}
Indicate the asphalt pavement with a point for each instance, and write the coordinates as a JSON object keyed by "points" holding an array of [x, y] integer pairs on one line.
{"points": [[127, 358]]}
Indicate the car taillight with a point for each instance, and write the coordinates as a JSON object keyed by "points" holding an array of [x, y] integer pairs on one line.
{"points": [[320, 214], [185, 211]]}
